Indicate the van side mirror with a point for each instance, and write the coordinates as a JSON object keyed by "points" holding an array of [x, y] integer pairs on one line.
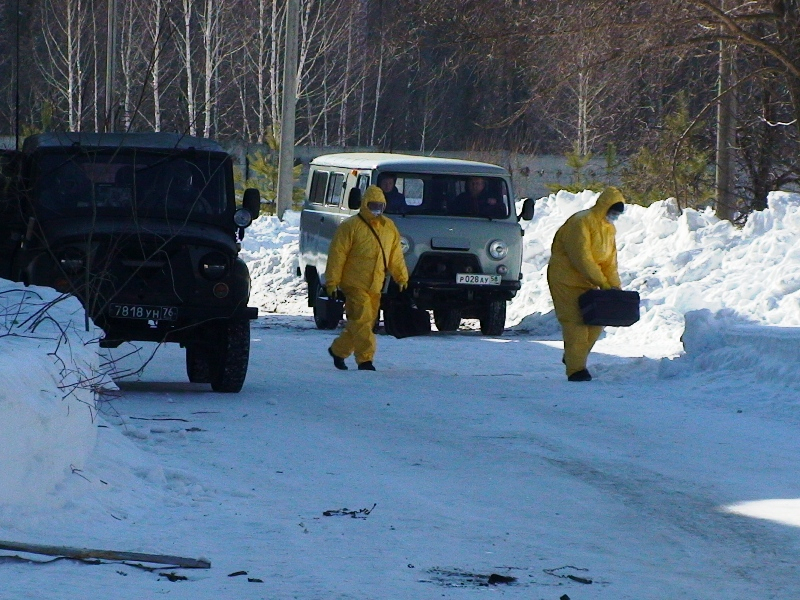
{"points": [[354, 199], [251, 202], [527, 209]]}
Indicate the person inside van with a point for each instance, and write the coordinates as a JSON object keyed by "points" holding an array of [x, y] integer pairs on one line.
{"points": [[395, 199], [478, 201]]}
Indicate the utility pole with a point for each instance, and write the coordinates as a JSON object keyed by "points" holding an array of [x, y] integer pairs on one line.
{"points": [[726, 133], [111, 56], [286, 156]]}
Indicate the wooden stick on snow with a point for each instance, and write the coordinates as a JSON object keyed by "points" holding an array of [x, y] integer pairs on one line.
{"points": [[81, 553]]}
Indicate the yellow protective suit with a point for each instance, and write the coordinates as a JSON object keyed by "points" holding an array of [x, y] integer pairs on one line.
{"points": [[583, 257], [356, 265]]}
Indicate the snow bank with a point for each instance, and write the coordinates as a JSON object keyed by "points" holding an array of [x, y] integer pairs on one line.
{"points": [[49, 368], [735, 281], [270, 248], [679, 263]]}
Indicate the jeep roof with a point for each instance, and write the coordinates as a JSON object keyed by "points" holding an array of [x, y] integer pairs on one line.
{"points": [[155, 141], [408, 163]]}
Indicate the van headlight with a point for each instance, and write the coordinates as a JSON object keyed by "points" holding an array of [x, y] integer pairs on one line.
{"points": [[405, 245], [498, 249]]}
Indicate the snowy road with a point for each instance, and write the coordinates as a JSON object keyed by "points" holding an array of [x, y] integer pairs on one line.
{"points": [[478, 457]]}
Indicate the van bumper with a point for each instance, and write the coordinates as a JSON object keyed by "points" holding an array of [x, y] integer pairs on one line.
{"points": [[432, 293]]}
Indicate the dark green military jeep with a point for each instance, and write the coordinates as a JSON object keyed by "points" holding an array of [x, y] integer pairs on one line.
{"points": [[143, 228]]}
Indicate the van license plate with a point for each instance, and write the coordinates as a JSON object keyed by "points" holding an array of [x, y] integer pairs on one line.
{"points": [[477, 279], [149, 313]]}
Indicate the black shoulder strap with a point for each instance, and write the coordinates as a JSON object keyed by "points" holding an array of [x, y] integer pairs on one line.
{"points": [[375, 233]]}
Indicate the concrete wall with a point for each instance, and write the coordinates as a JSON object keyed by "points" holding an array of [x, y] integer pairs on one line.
{"points": [[530, 173]]}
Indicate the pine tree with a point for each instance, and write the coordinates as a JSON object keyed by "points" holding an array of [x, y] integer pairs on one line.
{"points": [[677, 166]]}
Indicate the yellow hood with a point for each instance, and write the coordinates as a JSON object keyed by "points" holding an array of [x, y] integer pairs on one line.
{"points": [[606, 200], [372, 194]]}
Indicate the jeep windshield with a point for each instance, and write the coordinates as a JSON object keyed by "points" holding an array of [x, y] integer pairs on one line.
{"points": [[446, 195], [186, 185]]}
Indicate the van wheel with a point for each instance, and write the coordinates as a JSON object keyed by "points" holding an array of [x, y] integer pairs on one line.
{"points": [[493, 318], [447, 319], [231, 355], [198, 365], [321, 319]]}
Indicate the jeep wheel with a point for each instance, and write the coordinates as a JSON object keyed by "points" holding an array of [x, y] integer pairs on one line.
{"points": [[447, 319], [229, 362], [493, 318], [321, 319], [198, 366]]}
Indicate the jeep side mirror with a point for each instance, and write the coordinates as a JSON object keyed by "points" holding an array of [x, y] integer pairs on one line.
{"points": [[527, 209], [354, 199], [251, 202]]}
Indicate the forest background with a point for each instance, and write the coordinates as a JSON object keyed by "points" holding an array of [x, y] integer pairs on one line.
{"points": [[646, 86]]}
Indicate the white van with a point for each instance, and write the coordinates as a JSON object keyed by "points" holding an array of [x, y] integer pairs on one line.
{"points": [[459, 231]]}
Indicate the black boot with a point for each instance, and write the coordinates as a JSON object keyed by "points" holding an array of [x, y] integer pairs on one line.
{"points": [[366, 366], [582, 375], [337, 361]]}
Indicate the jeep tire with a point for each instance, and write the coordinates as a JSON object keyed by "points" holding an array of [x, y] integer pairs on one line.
{"points": [[232, 353], [447, 319], [493, 317]]}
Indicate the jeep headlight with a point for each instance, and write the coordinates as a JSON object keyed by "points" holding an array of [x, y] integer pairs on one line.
{"points": [[242, 218], [214, 266], [405, 244], [72, 260], [498, 249]]}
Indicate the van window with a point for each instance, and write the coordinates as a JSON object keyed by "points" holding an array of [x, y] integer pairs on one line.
{"points": [[363, 183], [335, 189], [319, 183], [451, 195]]}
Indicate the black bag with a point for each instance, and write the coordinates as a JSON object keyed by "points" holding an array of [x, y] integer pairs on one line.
{"points": [[616, 308], [329, 309], [402, 319]]}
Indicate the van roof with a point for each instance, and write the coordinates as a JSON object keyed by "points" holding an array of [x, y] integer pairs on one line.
{"points": [[152, 140], [384, 161]]}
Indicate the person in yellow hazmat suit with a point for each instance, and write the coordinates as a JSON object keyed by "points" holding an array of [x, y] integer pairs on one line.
{"points": [[362, 249], [583, 257]]}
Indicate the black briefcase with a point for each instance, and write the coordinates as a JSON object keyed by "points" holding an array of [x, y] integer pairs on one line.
{"points": [[615, 308], [402, 319], [329, 310]]}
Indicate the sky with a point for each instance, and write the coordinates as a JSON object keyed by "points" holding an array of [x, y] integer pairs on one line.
{"points": [[672, 475]]}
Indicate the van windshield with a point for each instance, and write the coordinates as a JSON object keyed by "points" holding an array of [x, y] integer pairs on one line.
{"points": [[120, 183], [445, 195]]}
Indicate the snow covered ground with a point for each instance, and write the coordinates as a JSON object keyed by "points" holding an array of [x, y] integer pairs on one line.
{"points": [[672, 475]]}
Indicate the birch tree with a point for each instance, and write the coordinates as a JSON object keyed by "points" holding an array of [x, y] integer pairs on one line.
{"points": [[66, 55]]}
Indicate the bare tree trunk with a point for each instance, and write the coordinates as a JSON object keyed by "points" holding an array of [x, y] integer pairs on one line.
{"points": [[191, 110], [95, 72], [127, 65], [726, 135], [261, 64], [275, 71], [209, 26], [346, 82], [157, 34], [377, 97]]}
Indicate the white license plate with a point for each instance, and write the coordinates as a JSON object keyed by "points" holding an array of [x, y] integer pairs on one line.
{"points": [[477, 279], [138, 311]]}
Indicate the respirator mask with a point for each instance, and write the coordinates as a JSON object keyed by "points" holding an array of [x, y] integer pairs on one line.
{"points": [[376, 208]]}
